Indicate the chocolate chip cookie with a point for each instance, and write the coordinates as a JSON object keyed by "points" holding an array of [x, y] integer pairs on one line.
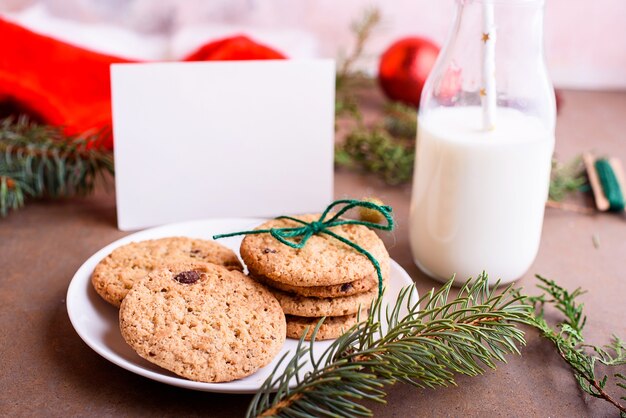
{"points": [[115, 275], [203, 322]]}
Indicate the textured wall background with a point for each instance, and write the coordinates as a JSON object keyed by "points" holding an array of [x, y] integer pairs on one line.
{"points": [[585, 39]]}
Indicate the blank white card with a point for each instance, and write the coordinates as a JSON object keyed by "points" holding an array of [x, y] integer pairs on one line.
{"points": [[222, 139]]}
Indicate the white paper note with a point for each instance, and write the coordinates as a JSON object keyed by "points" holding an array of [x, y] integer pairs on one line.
{"points": [[222, 139]]}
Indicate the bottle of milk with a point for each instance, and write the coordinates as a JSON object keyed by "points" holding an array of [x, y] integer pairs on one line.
{"points": [[484, 145]]}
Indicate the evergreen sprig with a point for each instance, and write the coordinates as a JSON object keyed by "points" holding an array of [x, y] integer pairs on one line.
{"points": [[375, 150], [348, 78], [39, 160], [387, 149], [566, 178], [362, 30], [569, 342], [424, 344], [400, 120]]}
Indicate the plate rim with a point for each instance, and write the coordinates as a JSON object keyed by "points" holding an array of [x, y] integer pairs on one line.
{"points": [[82, 277]]}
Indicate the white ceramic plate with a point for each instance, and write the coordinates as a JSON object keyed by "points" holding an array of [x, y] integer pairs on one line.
{"points": [[96, 322]]}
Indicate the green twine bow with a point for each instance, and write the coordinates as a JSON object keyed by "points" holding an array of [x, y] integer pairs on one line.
{"points": [[322, 225]]}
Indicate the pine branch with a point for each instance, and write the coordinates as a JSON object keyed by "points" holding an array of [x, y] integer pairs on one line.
{"points": [[362, 30], [13, 186], [347, 77], [387, 149], [375, 150], [566, 178], [424, 347], [38, 161], [400, 120], [569, 341]]}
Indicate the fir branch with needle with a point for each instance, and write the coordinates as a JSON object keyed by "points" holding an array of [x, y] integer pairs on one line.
{"points": [[425, 343], [386, 149], [568, 339], [38, 160], [400, 120], [376, 151], [362, 30], [13, 187], [566, 178], [347, 77]]}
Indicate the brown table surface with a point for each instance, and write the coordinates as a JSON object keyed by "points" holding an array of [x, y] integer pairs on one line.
{"points": [[48, 370]]}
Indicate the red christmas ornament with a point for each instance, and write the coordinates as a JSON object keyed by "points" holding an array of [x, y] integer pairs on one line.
{"points": [[236, 48], [404, 67]]}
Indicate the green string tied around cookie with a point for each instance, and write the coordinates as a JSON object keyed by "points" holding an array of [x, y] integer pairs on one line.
{"points": [[297, 237]]}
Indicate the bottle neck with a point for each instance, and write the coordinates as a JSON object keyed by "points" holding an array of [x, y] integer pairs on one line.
{"points": [[518, 23], [495, 47]]}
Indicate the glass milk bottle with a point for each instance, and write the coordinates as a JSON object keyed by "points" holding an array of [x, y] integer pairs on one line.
{"points": [[484, 145]]}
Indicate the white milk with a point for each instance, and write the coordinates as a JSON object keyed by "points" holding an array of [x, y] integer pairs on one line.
{"points": [[478, 197]]}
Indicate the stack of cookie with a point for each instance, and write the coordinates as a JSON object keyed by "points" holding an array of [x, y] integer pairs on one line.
{"points": [[186, 306], [325, 278]]}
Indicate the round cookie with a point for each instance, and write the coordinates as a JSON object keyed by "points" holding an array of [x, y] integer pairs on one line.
{"points": [[115, 275], [203, 322], [318, 307], [333, 291], [323, 261], [332, 327]]}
